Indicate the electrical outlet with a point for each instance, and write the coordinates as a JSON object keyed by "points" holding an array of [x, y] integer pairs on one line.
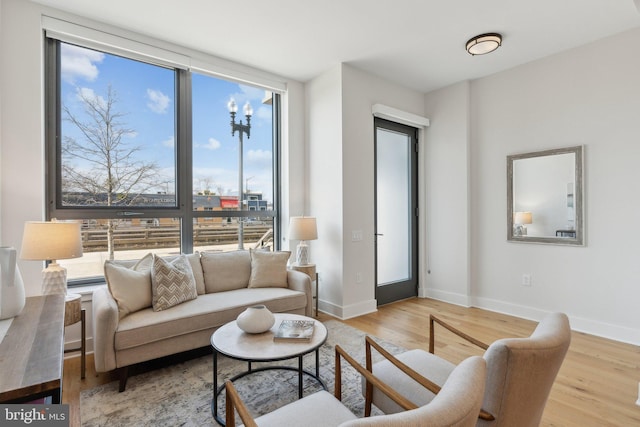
{"points": [[358, 277], [526, 280], [356, 235]]}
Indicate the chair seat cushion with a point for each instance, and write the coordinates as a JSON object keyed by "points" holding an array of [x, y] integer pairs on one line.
{"points": [[425, 363], [319, 409]]}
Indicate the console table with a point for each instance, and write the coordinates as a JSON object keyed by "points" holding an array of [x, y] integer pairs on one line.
{"points": [[31, 352]]}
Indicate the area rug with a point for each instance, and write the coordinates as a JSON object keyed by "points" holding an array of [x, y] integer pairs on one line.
{"points": [[180, 394]]}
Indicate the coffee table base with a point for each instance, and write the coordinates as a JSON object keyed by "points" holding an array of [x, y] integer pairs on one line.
{"points": [[218, 389]]}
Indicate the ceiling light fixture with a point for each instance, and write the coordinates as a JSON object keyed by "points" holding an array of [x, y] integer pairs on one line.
{"points": [[484, 43]]}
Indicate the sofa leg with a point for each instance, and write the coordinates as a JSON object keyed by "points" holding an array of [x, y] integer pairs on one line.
{"points": [[123, 373]]}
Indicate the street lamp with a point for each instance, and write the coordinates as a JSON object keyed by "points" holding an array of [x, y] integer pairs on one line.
{"points": [[240, 128]]}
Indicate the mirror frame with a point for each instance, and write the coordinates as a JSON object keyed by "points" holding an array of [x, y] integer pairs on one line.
{"points": [[578, 198]]}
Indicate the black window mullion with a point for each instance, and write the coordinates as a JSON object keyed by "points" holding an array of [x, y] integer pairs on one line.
{"points": [[184, 160]]}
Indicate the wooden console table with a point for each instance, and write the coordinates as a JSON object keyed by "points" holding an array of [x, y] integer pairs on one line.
{"points": [[31, 352]]}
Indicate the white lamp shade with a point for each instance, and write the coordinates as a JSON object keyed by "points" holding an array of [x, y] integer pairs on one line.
{"points": [[522, 218], [303, 228], [51, 241]]}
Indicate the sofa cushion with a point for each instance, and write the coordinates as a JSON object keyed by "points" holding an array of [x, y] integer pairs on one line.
{"points": [[172, 282], [196, 268], [203, 313], [269, 269], [225, 271], [130, 285]]}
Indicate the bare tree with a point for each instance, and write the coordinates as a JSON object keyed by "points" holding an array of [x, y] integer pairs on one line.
{"points": [[102, 163], [220, 190], [205, 185]]}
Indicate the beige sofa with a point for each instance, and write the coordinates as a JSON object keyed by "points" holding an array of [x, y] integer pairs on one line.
{"points": [[130, 325]]}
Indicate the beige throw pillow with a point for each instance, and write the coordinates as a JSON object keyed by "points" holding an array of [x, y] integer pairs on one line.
{"points": [[130, 286], [172, 282], [269, 269], [226, 271]]}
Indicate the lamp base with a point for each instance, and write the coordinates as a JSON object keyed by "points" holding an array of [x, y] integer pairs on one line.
{"points": [[54, 279], [302, 253], [519, 230]]}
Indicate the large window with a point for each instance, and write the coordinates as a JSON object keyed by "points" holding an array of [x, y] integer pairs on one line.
{"points": [[149, 158]]}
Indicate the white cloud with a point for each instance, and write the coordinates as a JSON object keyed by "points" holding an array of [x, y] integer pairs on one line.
{"points": [[259, 158], [169, 142], [85, 93], [158, 101], [248, 93], [251, 92], [264, 113], [212, 144], [79, 63]]}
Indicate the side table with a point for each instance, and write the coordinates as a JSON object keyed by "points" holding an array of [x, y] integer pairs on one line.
{"points": [[309, 270], [74, 313], [31, 352]]}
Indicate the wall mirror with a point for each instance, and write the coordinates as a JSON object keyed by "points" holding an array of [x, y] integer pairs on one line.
{"points": [[544, 197]]}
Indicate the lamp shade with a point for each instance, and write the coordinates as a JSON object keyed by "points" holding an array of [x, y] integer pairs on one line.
{"points": [[522, 218], [51, 240], [303, 228]]}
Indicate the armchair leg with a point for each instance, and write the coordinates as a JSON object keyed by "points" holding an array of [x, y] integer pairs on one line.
{"points": [[368, 394], [123, 374]]}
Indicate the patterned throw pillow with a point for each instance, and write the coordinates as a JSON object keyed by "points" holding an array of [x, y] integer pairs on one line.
{"points": [[172, 282]]}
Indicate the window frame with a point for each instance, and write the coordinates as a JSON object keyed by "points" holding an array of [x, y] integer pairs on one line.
{"points": [[183, 209]]}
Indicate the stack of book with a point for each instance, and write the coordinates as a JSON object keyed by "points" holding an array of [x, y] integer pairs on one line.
{"points": [[294, 330]]}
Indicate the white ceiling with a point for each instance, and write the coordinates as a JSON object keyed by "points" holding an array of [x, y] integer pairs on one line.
{"points": [[416, 43]]}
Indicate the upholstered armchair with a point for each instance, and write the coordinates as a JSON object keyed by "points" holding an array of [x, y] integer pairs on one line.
{"points": [[457, 404], [520, 373]]}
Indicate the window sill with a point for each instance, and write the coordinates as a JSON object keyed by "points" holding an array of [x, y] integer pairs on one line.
{"points": [[85, 290]]}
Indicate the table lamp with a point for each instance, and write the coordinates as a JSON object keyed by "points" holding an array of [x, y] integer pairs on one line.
{"points": [[519, 221], [302, 228], [51, 241]]}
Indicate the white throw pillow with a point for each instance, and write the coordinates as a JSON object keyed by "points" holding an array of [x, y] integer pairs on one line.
{"points": [[269, 269], [172, 282], [130, 286]]}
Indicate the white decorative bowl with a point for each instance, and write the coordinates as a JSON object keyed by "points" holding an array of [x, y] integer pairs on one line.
{"points": [[256, 319]]}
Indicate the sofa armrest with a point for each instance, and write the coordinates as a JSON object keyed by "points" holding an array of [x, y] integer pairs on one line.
{"points": [[299, 281], [105, 322]]}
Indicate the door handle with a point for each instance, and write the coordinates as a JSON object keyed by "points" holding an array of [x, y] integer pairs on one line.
{"points": [[378, 234]]}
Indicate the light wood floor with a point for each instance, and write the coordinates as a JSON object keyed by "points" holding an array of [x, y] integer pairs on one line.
{"points": [[597, 384]]}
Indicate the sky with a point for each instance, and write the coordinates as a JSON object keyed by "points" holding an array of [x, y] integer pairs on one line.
{"points": [[146, 95]]}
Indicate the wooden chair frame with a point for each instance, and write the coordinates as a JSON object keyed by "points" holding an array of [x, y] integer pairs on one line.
{"points": [[420, 379], [234, 402], [433, 319]]}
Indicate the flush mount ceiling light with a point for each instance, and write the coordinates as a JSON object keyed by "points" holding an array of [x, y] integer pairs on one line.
{"points": [[484, 43]]}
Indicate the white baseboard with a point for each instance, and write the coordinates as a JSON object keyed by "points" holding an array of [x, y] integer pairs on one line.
{"points": [[349, 311], [579, 324], [450, 297]]}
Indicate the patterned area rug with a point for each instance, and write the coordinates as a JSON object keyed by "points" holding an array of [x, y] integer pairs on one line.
{"points": [[180, 394]]}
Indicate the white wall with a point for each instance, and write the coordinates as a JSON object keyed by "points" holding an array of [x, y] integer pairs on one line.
{"points": [[324, 183], [448, 194], [340, 138], [590, 96], [22, 161]]}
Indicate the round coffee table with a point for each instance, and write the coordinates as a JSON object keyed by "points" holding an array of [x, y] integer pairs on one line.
{"points": [[232, 342]]}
